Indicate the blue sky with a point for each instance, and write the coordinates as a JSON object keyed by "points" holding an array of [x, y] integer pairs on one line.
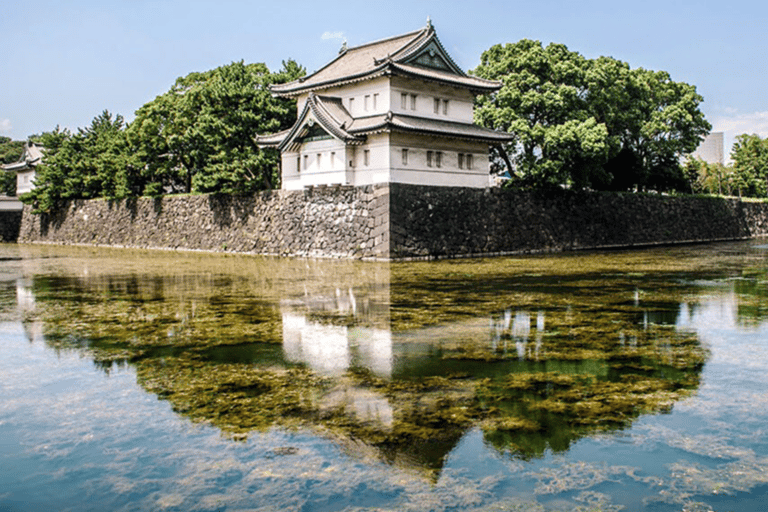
{"points": [[63, 62]]}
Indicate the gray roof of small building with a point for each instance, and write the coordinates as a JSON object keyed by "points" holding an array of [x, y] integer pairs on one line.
{"points": [[30, 158], [392, 56]]}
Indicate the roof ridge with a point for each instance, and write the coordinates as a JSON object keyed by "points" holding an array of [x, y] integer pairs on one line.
{"points": [[387, 39]]}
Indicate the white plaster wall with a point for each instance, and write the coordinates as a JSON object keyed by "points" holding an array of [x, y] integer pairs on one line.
{"points": [[358, 91], [24, 182], [378, 168], [330, 170], [460, 101], [416, 171]]}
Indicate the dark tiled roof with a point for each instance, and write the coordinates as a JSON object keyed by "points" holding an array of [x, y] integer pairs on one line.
{"points": [[335, 119], [328, 111], [450, 129], [392, 55]]}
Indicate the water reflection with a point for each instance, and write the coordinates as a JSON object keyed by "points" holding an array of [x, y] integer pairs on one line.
{"points": [[406, 359]]}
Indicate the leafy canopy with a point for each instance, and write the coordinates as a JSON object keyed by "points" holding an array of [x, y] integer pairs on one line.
{"points": [[198, 136], [750, 165], [589, 122]]}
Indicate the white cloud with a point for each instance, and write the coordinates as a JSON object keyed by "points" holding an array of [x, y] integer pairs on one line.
{"points": [[5, 125], [736, 124], [733, 123], [332, 35]]}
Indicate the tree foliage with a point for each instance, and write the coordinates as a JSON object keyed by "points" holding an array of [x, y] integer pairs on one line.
{"points": [[197, 137], [589, 122], [750, 165]]}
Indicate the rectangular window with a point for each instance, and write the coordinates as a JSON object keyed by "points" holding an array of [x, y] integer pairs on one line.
{"points": [[461, 160], [405, 157], [438, 158], [298, 164], [333, 158], [366, 100], [429, 159], [375, 100], [319, 159], [469, 161], [351, 104], [306, 162], [404, 101], [445, 107], [367, 157], [413, 102], [437, 105]]}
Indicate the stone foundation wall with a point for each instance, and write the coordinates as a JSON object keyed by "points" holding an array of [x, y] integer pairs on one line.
{"points": [[9, 226], [321, 222], [440, 222], [398, 221]]}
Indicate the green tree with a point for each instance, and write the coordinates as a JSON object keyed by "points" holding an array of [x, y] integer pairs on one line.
{"points": [[622, 128], [50, 177], [750, 165], [542, 102], [198, 137], [710, 178], [91, 163]]}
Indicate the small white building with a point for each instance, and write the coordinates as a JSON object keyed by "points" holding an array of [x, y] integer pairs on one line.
{"points": [[392, 111], [25, 167]]}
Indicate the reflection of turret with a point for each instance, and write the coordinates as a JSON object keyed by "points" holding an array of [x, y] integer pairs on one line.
{"points": [[25, 300], [332, 350], [403, 362]]}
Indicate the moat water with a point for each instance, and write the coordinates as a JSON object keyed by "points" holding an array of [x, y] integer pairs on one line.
{"points": [[135, 380]]}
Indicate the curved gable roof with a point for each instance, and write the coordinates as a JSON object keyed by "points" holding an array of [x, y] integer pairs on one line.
{"points": [[330, 115], [419, 50]]}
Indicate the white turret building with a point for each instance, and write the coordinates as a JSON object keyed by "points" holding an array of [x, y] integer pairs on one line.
{"points": [[25, 167], [392, 111]]}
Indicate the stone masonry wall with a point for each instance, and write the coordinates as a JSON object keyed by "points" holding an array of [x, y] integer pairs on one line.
{"points": [[9, 226], [325, 222], [442, 222], [398, 221]]}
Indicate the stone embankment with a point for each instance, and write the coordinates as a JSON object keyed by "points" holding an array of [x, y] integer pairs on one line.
{"points": [[343, 222], [427, 221], [398, 221]]}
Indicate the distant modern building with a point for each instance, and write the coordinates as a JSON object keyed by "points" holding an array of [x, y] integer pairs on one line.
{"points": [[711, 149], [25, 167], [397, 110]]}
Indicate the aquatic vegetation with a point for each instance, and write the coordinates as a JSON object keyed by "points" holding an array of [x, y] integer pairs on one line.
{"points": [[538, 352]]}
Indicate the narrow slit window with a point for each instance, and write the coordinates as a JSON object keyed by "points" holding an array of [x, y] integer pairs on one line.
{"points": [[438, 158], [445, 107], [429, 159], [413, 102], [461, 160], [469, 161], [298, 164], [366, 100], [351, 104], [437, 105], [367, 157], [333, 158], [306, 162], [375, 101], [405, 157], [404, 101]]}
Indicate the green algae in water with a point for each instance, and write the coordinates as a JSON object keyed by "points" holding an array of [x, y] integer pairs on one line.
{"points": [[572, 352]]}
